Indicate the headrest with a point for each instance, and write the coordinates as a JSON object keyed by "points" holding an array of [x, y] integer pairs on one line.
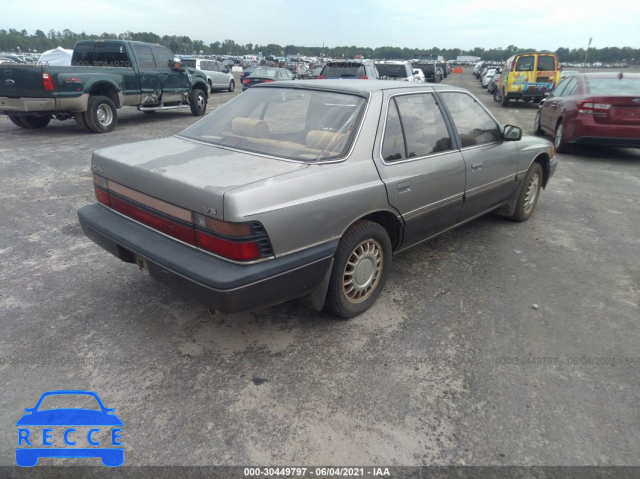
{"points": [[250, 127]]}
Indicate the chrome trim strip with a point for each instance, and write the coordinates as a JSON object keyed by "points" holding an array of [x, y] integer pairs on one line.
{"points": [[489, 187], [433, 207]]}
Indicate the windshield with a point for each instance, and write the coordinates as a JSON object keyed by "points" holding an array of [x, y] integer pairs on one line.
{"points": [[296, 124], [392, 71]]}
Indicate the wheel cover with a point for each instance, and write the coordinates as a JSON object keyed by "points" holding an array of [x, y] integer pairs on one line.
{"points": [[104, 115], [559, 135], [362, 271], [200, 101], [532, 193], [537, 121]]}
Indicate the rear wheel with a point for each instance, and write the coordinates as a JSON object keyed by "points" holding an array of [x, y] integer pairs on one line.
{"points": [[198, 102], [360, 270], [497, 96], [79, 118], [559, 143], [529, 194], [232, 86], [31, 121], [537, 129], [504, 99], [102, 116], [16, 120]]}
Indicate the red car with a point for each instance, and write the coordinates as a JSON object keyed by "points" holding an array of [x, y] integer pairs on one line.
{"points": [[592, 109]]}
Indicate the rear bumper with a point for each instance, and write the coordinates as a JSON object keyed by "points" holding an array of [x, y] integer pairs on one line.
{"points": [[608, 141], [29, 106], [586, 131], [222, 285]]}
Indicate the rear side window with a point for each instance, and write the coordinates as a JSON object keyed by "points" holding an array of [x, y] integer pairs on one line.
{"points": [[546, 63], [145, 56], [415, 128], [475, 126]]}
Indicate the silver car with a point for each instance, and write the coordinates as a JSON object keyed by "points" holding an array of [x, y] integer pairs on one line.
{"points": [[218, 76], [306, 190]]}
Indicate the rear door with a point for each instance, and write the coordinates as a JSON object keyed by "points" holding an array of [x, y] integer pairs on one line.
{"points": [[150, 76], [490, 163], [553, 107], [423, 174]]}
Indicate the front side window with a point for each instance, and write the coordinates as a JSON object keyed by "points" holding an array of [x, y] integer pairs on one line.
{"points": [[165, 57], [415, 128], [475, 126], [296, 124]]}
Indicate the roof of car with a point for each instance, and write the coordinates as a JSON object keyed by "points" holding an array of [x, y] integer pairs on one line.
{"points": [[359, 86]]}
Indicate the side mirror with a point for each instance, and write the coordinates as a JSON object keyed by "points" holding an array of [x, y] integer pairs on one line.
{"points": [[512, 133], [177, 67]]}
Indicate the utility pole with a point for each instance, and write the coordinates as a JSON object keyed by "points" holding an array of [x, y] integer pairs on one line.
{"points": [[586, 55]]}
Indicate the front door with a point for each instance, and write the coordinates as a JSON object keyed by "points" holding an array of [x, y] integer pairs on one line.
{"points": [[150, 76], [175, 85], [490, 162]]}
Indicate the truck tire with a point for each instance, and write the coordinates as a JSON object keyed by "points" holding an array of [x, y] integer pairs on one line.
{"points": [[79, 118], [33, 121], [198, 102], [505, 99], [16, 120], [102, 115]]}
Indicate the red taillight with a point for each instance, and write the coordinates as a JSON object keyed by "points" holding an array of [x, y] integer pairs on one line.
{"points": [[47, 82], [228, 249], [101, 195], [363, 78], [321, 77], [587, 107], [164, 225], [268, 81], [245, 81]]}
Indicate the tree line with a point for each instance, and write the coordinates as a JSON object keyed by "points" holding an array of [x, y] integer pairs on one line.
{"points": [[21, 41]]}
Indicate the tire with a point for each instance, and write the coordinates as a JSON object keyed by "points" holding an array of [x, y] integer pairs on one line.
{"points": [[17, 120], [210, 87], [198, 102], [504, 99], [102, 115], [529, 194], [232, 86], [79, 118], [497, 96], [35, 121], [558, 141], [537, 129], [360, 270]]}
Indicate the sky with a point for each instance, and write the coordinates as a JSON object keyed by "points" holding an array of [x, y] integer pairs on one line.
{"points": [[419, 24]]}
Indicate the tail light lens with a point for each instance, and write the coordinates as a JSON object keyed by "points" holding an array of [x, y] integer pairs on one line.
{"points": [[363, 78], [234, 241], [47, 82], [321, 77], [245, 81], [587, 107], [268, 81]]}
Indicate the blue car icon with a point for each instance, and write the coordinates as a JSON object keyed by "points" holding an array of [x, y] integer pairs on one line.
{"points": [[27, 456]]}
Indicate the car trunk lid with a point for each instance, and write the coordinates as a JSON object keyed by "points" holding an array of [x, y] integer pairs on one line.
{"points": [[618, 110], [17, 81], [185, 173]]}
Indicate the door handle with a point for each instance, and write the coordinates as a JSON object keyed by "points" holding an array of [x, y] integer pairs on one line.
{"points": [[404, 187], [476, 166]]}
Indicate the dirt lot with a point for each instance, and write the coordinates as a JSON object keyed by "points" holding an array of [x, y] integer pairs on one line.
{"points": [[454, 365]]}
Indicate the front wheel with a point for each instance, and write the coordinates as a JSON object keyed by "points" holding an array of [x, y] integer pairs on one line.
{"points": [[360, 270], [529, 194], [198, 102], [102, 115], [537, 129], [558, 141]]}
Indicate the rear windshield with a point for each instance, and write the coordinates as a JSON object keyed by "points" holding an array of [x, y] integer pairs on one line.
{"points": [[296, 124], [100, 55], [546, 63], [613, 86], [264, 73], [344, 70], [392, 71]]}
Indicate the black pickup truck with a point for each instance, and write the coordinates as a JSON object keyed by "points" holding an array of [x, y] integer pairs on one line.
{"points": [[104, 76]]}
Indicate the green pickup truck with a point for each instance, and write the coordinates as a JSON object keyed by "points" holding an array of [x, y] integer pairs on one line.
{"points": [[104, 76]]}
